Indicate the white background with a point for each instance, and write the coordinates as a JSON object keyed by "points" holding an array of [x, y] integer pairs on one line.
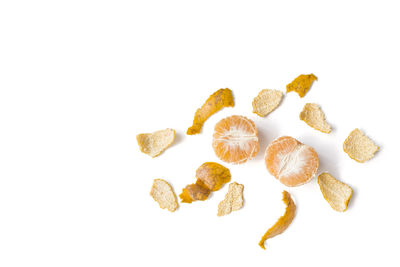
{"points": [[79, 80]]}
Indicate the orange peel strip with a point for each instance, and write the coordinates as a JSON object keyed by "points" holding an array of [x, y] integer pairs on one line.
{"points": [[218, 100], [210, 176], [284, 221], [301, 84]]}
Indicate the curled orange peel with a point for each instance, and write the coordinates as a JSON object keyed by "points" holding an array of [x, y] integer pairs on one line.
{"points": [[210, 176], [283, 222], [218, 100]]}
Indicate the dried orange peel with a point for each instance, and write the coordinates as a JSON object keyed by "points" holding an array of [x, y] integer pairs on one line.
{"points": [[312, 115], [233, 199], [301, 84], [359, 147], [153, 144], [218, 100], [266, 101], [335, 192], [210, 176], [162, 193], [194, 192], [283, 222]]}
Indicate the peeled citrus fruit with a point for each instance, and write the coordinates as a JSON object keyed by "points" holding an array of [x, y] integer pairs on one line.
{"points": [[291, 162], [235, 139]]}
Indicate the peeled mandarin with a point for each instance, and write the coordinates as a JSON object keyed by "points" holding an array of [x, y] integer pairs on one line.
{"points": [[235, 139], [290, 161]]}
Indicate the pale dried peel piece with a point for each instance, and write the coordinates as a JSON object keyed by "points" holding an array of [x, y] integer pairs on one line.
{"points": [[312, 115], [154, 144], [283, 223], [164, 195], [218, 100], [266, 101], [359, 147], [335, 192], [301, 84], [233, 199], [210, 176]]}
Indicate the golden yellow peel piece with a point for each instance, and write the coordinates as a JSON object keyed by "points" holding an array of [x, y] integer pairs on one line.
{"points": [[284, 221], [335, 192], [210, 176], [359, 147], [218, 100], [301, 84]]}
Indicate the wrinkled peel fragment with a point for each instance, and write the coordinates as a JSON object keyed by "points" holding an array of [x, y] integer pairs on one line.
{"points": [[164, 195], [335, 192], [283, 223], [210, 176], [233, 199], [266, 101], [301, 84], [218, 100], [194, 192], [359, 147], [312, 115], [153, 144]]}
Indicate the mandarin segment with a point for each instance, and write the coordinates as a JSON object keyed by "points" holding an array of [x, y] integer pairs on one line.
{"points": [[335, 192], [290, 161], [210, 176], [301, 84], [235, 139], [218, 100], [266, 101], [359, 147], [153, 144], [283, 222]]}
